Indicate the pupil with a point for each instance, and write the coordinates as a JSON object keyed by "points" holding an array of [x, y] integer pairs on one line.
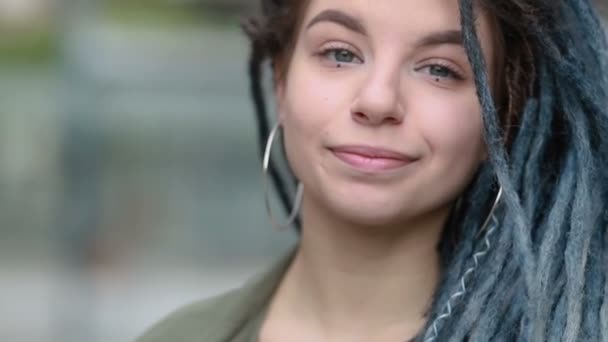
{"points": [[344, 56], [440, 71]]}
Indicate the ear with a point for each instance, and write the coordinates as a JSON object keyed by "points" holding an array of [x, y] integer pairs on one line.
{"points": [[483, 154], [279, 91]]}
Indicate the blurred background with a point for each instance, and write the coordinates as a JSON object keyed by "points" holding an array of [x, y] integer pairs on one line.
{"points": [[129, 173]]}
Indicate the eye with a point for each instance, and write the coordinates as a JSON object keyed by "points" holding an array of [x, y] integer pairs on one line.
{"points": [[442, 72], [339, 55]]}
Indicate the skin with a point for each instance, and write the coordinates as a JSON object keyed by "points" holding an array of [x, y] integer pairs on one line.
{"points": [[374, 84]]}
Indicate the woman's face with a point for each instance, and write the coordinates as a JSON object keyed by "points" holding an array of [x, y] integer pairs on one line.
{"points": [[381, 119]]}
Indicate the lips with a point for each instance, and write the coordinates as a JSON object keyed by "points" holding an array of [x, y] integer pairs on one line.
{"points": [[371, 159]]}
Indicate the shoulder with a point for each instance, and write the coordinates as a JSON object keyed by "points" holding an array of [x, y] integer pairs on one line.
{"points": [[217, 319], [198, 321]]}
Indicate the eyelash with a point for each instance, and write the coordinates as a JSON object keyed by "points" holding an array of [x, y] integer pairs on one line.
{"points": [[453, 73], [326, 51]]}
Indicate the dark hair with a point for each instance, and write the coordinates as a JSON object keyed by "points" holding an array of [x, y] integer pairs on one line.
{"points": [[539, 273]]}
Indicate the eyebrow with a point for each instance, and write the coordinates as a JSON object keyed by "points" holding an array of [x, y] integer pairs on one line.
{"points": [[450, 37], [340, 18]]}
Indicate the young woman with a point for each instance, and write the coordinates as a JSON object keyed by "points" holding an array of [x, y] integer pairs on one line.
{"points": [[451, 158]]}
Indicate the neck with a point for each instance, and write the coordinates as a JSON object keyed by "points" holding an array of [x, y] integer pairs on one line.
{"points": [[363, 279]]}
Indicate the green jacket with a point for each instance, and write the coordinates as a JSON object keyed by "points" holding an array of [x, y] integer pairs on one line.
{"points": [[235, 316]]}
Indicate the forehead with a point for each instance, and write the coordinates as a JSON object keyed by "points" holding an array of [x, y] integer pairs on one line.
{"points": [[396, 17], [403, 24]]}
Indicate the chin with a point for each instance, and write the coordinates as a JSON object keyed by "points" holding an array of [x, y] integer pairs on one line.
{"points": [[369, 212], [371, 220]]}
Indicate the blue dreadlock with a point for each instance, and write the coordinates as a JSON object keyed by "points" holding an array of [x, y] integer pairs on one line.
{"points": [[540, 271], [546, 277]]}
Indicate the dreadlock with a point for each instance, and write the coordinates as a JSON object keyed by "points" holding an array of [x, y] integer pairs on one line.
{"points": [[545, 277], [538, 273], [267, 43]]}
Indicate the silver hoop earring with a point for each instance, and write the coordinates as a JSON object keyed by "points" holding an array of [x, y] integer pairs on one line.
{"points": [[484, 227], [488, 228], [299, 192]]}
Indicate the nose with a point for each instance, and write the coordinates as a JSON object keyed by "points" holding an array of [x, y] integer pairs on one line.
{"points": [[378, 100]]}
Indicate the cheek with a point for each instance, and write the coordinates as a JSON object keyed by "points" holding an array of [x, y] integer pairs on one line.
{"points": [[451, 128], [306, 111], [451, 125], [311, 105]]}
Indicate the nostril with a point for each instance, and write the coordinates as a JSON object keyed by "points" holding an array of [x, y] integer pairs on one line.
{"points": [[392, 120], [359, 115]]}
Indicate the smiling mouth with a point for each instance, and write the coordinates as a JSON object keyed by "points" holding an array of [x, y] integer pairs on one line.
{"points": [[371, 159]]}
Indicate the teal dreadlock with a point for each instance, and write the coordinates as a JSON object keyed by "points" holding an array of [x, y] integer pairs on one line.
{"points": [[544, 276], [538, 272]]}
